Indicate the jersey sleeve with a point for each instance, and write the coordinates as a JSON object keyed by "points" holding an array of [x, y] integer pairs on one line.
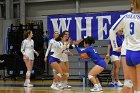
{"points": [[114, 29], [81, 50], [23, 47], [49, 48]]}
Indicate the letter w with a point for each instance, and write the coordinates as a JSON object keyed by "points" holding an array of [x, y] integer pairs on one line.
{"points": [[59, 24]]}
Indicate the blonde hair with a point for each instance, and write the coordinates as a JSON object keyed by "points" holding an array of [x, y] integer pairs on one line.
{"points": [[136, 5]]}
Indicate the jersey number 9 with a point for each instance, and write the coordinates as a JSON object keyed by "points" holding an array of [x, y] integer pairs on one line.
{"points": [[132, 28]]}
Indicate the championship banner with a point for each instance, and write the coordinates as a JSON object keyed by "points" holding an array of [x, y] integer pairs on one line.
{"points": [[79, 26]]}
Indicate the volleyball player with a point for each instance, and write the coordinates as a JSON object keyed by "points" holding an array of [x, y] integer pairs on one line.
{"points": [[115, 57], [55, 58], [100, 63], [50, 46], [27, 49], [65, 63], [130, 23], [50, 50]]}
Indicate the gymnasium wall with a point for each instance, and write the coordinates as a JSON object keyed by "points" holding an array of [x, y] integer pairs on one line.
{"points": [[69, 6], [40, 10]]}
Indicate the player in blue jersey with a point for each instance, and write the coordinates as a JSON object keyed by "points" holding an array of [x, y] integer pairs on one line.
{"points": [[115, 57], [100, 63], [130, 23]]}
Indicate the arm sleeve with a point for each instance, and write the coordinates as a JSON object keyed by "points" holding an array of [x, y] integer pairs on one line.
{"points": [[33, 46], [116, 27], [48, 49], [80, 50], [23, 47]]}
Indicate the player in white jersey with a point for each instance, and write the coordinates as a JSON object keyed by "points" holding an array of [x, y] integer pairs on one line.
{"points": [[55, 59], [28, 51], [115, 57], [50, 48], [65, 64], [130, 23]]}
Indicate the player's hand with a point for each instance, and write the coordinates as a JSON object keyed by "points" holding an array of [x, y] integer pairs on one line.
{"points": [[74, 43], [68, 41], [80, 40], [118, 49], [37, 54], [107, 56], [45, 59]]}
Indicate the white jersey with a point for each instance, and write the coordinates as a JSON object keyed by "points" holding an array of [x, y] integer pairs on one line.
{"points": [[123, 49], [51, 46], [130, 23], [58, 50], [64, 55], [27, 48]]}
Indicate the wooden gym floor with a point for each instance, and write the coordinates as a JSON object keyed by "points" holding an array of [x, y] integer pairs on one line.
{"points": [[10, 86]]}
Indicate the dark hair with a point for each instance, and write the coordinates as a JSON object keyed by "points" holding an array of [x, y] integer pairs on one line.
{"points": [[27, 33], [60, 37], [89, 40], [65, 31]]}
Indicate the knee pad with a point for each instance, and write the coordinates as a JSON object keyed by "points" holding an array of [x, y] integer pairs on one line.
{"points": [[59, 75], [67, 74], [138, 92], [28, 73], [54, 70], [90, 76], [128, 83]]}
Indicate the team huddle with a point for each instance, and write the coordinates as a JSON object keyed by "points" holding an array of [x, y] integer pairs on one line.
{"points": [[124, 44]]}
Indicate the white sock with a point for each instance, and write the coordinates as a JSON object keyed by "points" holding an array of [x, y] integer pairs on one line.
{"points": [[65, 82], [96, 85], [99, 85]]}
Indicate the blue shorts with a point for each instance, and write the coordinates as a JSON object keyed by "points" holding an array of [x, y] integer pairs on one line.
{"points": [[101, 63], [132, 58], [53, 59]]}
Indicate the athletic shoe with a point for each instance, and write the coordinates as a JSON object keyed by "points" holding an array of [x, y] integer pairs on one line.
{"points": [[66, 86], [95, 89], [119, 84], [55, 87], [28, 85], [112, 84], [101, 89]]}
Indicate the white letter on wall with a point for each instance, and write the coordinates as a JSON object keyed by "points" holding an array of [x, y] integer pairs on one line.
{"points": [[103, 28], [62, 26], [79, 28]]}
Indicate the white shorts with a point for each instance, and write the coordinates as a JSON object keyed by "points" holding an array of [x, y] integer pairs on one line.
{"points": [[114, 58], [64, 57]]}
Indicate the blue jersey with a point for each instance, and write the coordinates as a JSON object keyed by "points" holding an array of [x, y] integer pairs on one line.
{"points": [[119, 40], [91, 53]]}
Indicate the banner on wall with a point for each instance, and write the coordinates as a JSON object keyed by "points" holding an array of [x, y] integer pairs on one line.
{"points": [[82, 25]]}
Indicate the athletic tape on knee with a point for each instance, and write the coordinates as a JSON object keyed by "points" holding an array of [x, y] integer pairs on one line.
{"points": [[90, 76], [28, 73], [137, 91], [59, 75], [128, 83], [67, 74], [54, 70]]}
